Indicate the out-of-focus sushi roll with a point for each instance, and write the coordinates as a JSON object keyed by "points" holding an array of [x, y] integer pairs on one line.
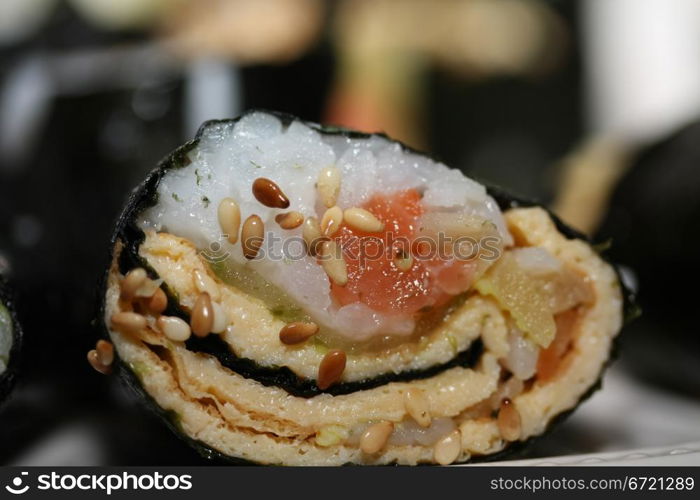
{"points": [[10, 340], [286, 293]]}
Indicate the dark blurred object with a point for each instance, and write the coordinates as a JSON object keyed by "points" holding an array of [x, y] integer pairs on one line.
{"points": [[587, 177], [653, 224], [90, 112], [10, 339], [57, 209], [244, 31], [386, 49], [511, 131]]}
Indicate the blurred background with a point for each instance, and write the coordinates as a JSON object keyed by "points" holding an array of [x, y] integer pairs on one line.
{"points": [[589, 106]]}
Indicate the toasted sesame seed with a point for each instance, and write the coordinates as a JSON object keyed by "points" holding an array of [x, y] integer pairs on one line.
{"points": [[333, 263], [252, 236], [148, 288], [131, 282], [313, 238], [202, 318], [448, 448], [128, 322], [289, 220], [157, 303], [176, 329], [331, 369], [204, 283], [417, 406], [229, 214], [362, 220], [509, 422], [269, 194], [297, 332], [403, 260], [105, 352], [328, 185], [375, 437], [220, 318], [94, 359], [331, 221]]}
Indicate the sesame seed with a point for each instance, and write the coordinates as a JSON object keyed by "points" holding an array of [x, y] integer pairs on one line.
{"points": [[311, 232], [289, 220], [157, 303], [418, 406], [331, 221], [362, 220], [229, 215], [174, 328], [297, 332], [376, 437], [509, 421], [128, 322], [131, 282], [94, 359], [252, 236], [333, 263], [105, 352], [331, 369], [448, 449], [328, 186], [269, 194], [148, 288], [202, 318], [403, 260]]}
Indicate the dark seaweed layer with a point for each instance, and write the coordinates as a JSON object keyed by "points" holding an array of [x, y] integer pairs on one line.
{"points": [[9, 376], [305, 388], [128, 233]]}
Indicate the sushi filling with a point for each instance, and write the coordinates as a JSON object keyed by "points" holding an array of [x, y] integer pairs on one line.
{"points": [[6, 334], [385, 288], [381, 339]]}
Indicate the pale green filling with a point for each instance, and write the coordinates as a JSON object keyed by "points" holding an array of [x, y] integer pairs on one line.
{"points": [[5, 337], [251, 283]]}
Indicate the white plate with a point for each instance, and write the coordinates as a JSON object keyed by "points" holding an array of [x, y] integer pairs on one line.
{"points": [[687, 454]]}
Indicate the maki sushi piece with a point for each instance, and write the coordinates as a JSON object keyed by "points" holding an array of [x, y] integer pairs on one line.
{"points": [[10, 340], [287, 293]]}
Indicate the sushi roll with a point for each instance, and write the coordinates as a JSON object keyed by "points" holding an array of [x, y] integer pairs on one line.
{"points": [[287, 293], [10, 340]]}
